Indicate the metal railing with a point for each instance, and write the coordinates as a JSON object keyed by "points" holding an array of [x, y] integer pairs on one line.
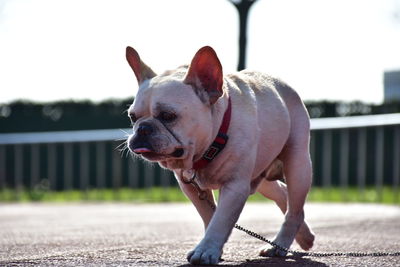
{"points": [[360, 151], [356, 151], [90, 159]]}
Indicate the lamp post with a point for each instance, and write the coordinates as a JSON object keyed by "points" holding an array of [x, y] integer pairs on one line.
{"points": [[243, 7]]}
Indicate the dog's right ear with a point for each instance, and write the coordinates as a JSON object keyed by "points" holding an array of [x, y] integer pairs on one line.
{"points": [[141, 70]]}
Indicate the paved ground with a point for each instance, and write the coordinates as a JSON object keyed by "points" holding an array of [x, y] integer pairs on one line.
{"points": [[162, 234]]}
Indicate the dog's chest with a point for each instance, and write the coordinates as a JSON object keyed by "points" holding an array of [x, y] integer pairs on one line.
{"points": [[201, 179]]}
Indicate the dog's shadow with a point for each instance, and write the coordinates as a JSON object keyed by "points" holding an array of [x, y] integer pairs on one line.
{"points": [[273, 261]]}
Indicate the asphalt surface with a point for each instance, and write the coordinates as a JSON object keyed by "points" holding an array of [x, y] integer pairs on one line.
{"points": [[162, 234]]}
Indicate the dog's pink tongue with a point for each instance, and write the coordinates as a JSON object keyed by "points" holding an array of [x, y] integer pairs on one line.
{"points": [[141, 150]]}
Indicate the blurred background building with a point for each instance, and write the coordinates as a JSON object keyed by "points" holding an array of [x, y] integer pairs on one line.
{"points": [[391, 81]]}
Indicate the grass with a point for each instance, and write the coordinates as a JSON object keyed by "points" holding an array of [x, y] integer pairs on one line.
{"points": [[173, 194]]}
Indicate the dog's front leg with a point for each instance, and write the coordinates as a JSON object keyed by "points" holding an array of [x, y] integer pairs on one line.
{"points": [[203, 207], [233, 196]]}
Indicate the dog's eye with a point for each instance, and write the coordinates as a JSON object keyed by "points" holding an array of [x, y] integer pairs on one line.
{"points": [[132, 117], [167, 116]]}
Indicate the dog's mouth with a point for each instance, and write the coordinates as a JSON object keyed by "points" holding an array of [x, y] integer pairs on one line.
{"points": [[154, 156]]}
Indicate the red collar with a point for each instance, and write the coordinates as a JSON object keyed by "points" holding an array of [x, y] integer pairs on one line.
{"points": [[219, 142]]}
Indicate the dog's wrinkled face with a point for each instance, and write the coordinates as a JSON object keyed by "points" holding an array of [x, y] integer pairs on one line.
{"points": [[166, 119], [171, 115]]}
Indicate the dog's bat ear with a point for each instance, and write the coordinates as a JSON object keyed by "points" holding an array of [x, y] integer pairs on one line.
{"points": [[205, 74], [141, 70]]}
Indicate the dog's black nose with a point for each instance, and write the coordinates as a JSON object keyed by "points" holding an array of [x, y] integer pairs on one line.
{"points": [[144, 129]]}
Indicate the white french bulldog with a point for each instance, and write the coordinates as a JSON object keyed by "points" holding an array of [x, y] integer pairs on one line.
{"points": [[238, 133]]}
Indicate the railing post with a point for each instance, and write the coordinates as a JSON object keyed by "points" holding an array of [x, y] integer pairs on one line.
{"points": [[396, 162], [379, 146], [35, 165], [100, 166], [344, 162], [133, 172], [19, 167], [327, 159], [149, 179], [2, 167], [84, 168], [165, 182], [116, 171], [51, 165], [361, 164], [68, 166]]}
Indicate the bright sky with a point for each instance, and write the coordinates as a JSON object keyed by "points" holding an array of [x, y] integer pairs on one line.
{"points": [[75, 49]]}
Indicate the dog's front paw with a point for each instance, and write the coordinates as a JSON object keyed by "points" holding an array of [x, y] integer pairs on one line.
{"points": [[204, 255]]}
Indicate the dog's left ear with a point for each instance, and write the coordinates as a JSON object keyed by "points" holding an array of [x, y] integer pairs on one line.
{"points": [[205, 74], [141, 70]]}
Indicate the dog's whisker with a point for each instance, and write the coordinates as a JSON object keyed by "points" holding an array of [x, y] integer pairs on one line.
{"points": [[122, 149], [122, 130], [122, 145], [125, 132], [123, 154], [120, 139], [128, 153]]}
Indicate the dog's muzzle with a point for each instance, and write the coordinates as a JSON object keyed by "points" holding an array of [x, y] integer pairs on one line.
{"points": [[140, 144]]}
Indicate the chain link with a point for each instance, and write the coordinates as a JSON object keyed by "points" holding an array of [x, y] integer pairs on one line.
{"points": [[203, 196]]}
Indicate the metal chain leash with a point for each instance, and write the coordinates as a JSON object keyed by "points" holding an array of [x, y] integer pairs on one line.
{"points": [[203, 196], [316, 254]]}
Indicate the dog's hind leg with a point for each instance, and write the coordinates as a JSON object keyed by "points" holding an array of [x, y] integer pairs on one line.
{"points": [[277, 191], [297, 171]]}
